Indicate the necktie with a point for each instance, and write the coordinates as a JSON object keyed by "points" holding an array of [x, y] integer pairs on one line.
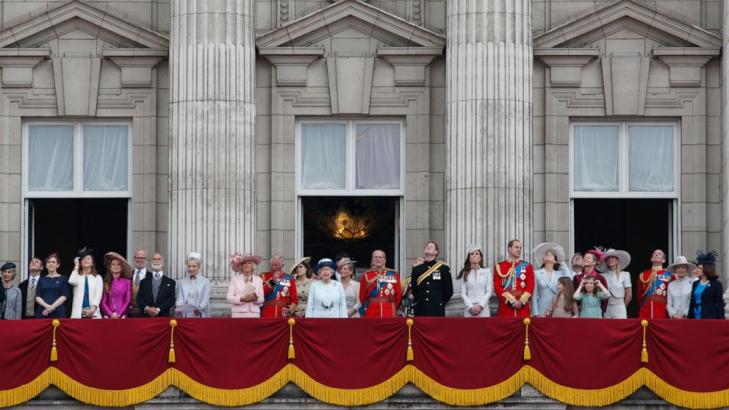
{"points": [[156, 275], [32, 284], [86, 302]]}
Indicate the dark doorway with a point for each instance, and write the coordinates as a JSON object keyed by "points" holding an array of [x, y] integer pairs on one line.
{"points": [[638, 226], [66, 225], [352, 225]]}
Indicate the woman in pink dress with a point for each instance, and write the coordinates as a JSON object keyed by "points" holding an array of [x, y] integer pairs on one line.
{"points": [[117, 287], [245, 293]]}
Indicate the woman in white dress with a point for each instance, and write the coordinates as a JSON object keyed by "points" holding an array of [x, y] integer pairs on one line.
{"points": [[326, 296], [551, 256], [618, 283], [477, 285], [193, 291], [351, 287], [88, 286]]}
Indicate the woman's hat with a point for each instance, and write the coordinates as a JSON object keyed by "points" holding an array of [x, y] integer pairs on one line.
{"points": [[623, 258], [7, 265], [473, 248], [708, 258], [85, 251], [681, 261], [343, 261], [542, 249], [325, 262], [242, 259], [304, 260], [126, 269], [195, 255]]}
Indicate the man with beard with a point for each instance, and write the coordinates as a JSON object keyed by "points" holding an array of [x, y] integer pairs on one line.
{"points": [[156, 295]]}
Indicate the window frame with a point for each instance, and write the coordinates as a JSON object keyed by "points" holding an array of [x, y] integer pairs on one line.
{"points": [[350, 160], [78, 153], [624, 161]]}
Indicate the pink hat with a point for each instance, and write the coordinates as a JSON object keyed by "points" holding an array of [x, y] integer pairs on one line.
{"points": [[239, 259]]}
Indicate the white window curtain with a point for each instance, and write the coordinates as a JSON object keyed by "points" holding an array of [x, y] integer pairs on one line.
{"points": [[595, 157], [323, 155], [378, 156], [106, 157], [651, 158], [50, 154]]}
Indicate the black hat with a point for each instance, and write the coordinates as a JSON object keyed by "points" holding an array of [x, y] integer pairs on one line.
{"points": [[85, 251], [708, 258], [7, 265]]}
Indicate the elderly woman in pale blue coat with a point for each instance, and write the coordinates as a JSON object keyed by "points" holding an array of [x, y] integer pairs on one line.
{"points": [[551, 256], [326, 296], [193, 291]]}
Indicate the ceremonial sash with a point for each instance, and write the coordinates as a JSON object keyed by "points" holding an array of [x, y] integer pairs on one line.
{"points": [[429, 272], [279, 287], [655, 282]]}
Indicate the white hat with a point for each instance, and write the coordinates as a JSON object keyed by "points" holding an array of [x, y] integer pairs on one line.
{"points": [[681, 261], [623, 258], [194, 255], [542, 249], [473, 248]]}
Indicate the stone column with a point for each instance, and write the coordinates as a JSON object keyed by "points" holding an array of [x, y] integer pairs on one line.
{"points": [[724, 254], [489, 137], [212, 111]]}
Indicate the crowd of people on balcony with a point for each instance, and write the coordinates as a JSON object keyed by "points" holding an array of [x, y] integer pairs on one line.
{"points": [[593, 284]]}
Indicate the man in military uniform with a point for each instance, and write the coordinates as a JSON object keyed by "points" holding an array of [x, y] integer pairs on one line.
{"points": [[514, 283], [653, 288], [379, 289], [431, 283], [279, 290]]}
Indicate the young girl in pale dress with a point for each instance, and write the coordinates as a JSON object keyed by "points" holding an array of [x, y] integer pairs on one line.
{"points": [[563, 305]]}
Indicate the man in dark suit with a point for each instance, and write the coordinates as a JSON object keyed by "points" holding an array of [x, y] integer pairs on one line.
{"points": [[156, 296], [27, 287], [431, 283]]}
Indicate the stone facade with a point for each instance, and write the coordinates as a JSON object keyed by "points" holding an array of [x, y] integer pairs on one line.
{"points": [[213, 155]]}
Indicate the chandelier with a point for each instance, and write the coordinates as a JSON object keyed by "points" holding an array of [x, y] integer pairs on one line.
{"points": [[346, 226]]}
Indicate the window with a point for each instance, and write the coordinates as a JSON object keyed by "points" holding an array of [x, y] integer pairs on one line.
{"points": [[76, 159], [340, 157], [624, 159]]}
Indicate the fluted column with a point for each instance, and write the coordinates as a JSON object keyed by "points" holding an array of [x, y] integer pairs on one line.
{"points": [[724, 271], [489, 137], [212, 111]]}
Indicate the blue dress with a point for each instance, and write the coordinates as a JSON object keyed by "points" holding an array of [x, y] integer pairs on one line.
{"points": [[700, 287], [50, 289]]}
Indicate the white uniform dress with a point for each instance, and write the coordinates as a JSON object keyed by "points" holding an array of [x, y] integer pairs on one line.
{"points": [[617, 285], [477, 291]]}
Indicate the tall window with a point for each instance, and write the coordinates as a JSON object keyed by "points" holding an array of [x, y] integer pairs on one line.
{"points": [[350, 157], [624, 159], [77, 159]]}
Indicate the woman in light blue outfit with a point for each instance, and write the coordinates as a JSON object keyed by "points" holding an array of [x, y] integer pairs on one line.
{"points": [[193, 291], [546, 279], [326, 296]]}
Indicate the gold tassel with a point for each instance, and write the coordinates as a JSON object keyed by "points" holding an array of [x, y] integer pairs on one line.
{"points": [[171, 356], [644, 351], [527, 350], [292, 351], [54, 352], [410, 355]]}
